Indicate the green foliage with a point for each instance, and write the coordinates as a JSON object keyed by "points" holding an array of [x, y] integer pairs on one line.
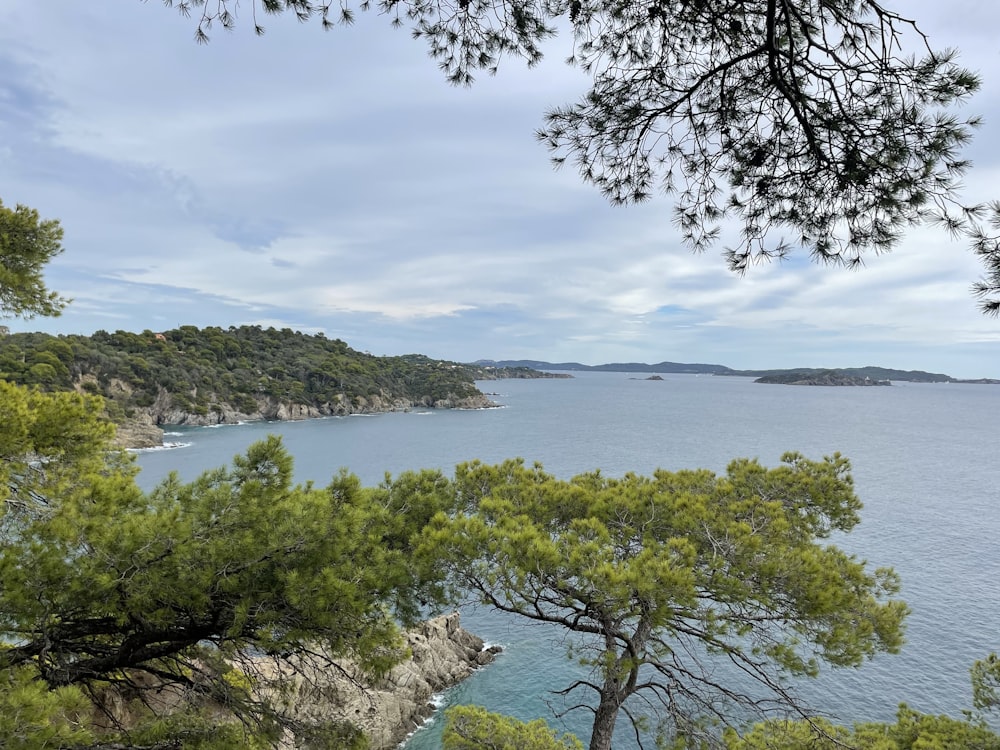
{"points": [[473, 728], [404, 506], [663, 579], [180, 618], [106, 587], [201, 370], [986, 683], [27, 244], [33, 717], [52, 446], [912, 731]]}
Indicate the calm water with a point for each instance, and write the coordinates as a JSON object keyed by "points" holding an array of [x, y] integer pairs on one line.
{"points": [[925, 465]]}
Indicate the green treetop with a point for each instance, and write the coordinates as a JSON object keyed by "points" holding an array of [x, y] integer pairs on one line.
{"points": [[690, 594], [197, 588], [986, 684], [911, 731], [27, 244], [473, 728]]}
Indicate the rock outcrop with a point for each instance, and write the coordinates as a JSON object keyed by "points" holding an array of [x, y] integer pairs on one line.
{"points": [[133, 434], [143, 429], [442, 655], [387, 711]]}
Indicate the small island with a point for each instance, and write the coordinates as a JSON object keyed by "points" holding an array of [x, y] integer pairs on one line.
{"points": [[825, 377]]}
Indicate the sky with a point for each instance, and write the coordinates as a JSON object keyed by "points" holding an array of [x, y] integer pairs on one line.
{"points": [[333, 181]]}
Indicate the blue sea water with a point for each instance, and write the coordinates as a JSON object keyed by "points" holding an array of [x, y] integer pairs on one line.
{"points": [[925, 466]]}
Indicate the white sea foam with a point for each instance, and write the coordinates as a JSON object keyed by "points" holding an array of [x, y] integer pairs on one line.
{"points": [[437, 700], [164, 447]]}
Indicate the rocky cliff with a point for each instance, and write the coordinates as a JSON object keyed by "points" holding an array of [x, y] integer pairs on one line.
{"points": [[386, 711], [443, 654], [143, 428]]}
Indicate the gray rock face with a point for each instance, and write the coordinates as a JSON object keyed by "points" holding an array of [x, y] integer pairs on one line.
{"points": [[272, 409], [442, 655], [134, 434], [163, 412]]}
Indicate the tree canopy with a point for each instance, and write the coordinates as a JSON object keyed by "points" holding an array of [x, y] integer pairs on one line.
{"points": [[773, 124], [691, 595], [210, 369], [180, 617], [474, 728], [986, 683], [219, 591], [27, 244], [911, 731]]}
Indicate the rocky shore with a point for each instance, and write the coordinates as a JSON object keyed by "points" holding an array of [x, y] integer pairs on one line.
{"points": [[442, 655], [145, 428]]}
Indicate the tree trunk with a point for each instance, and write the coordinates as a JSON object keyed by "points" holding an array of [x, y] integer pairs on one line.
{"points": [[604, 722]]}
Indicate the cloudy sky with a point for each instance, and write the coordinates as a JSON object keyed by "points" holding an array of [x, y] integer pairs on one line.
{"points": [[334, 182]]}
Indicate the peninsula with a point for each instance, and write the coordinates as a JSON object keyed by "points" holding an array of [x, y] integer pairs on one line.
{"points": [[192, 376]]}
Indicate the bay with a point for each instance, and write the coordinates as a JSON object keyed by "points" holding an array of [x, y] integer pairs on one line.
{"points": [[925, 466]]}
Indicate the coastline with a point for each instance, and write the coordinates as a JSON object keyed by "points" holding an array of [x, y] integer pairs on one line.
{"points": [[389, 710], [146, 430], [386, 710]]}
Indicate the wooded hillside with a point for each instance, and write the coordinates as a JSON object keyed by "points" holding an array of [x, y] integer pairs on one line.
{"points": [[203, 370]]}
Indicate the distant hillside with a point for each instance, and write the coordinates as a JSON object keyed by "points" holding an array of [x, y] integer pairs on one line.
{"points": [[872, 373], [482, 371], [213, 375], [661, 367]]}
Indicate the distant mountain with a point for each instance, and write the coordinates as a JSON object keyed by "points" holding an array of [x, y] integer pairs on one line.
{"points": [[872, 373], [661, 367]]}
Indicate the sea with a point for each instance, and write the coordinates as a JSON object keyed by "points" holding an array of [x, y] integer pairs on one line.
{"points": [[925, 463]]}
